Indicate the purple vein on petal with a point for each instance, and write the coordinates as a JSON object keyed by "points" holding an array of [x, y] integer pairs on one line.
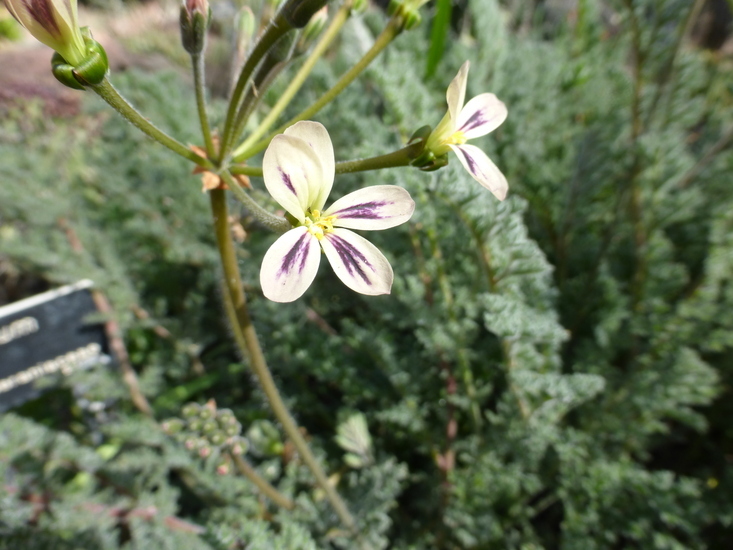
{"points": [[353, 260], [363, 211], [286, 180], [42, 12], [296, 255], [474, 121]]}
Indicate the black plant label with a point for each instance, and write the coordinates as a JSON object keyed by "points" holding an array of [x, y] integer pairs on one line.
{"points": [[46, 337]]}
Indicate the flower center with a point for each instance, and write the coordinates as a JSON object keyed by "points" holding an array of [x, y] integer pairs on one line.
{"points": [[458, 138], [318, 226]]}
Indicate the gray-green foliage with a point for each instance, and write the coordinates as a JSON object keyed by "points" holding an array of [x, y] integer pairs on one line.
{"points": [[547, 372]]}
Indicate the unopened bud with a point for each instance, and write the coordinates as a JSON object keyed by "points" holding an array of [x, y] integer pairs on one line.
{"points": [[172, 426], [190, 410], [315, 26], [209, 427], [299, 12], [407, 11], [194, 22], [238, 445], [222, 469], [217, 438]]}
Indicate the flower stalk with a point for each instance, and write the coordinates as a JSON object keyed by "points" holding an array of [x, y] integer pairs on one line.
{"points": [[235, 303]]}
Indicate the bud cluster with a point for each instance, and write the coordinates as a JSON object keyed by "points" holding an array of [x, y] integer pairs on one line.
{"points": [[207, 431]]}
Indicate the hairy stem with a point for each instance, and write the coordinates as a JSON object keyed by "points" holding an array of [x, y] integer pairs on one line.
{"points": [[106, 91], [297, 82], [244, 333], [246, 469], [391, 31], [197, 62], [275, 30]]}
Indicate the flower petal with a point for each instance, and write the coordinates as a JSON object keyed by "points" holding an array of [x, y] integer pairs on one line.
{"points": [[456, 93], [290, 168], [316, 135], [290, 265], [377, 207], [483, 114], [357, 262], [484, 171]]}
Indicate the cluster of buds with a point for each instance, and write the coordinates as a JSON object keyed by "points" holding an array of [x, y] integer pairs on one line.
{"points": [[207, 431], [79, 60]]}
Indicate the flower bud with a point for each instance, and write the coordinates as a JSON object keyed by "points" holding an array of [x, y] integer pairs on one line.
{"points": [[316, 25], [190, 410], [299, 12], [194, 22], [217, 438], [407, 11], [54, 23], [172, 426]]}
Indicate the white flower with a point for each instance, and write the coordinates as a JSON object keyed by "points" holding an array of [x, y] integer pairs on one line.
{"points": [[53, 22], [483, 114], [298, 169]]}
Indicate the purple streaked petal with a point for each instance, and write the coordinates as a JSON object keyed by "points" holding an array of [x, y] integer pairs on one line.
{"points": [[289, 168], [377, 207], [357, 262], [483, 114], [290, 265], [484, 171], [456, 93], [316, 136]]}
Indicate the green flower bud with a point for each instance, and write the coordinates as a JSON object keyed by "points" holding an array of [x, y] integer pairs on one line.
{"points": [[209, 427], [299, 12], [195, 424], [217, 438], [407, 11], [315, 26], [172, 426], [238, 445], [205, 413], [194, 21], [54, 23], [190, 410], [359, 6], [225, 417]]}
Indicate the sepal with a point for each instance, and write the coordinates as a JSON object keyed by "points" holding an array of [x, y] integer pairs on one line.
{"points": [[92, 70]]}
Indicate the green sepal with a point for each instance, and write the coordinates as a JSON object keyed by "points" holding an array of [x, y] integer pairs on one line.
{"points": [[292, 219], [194, 27], [427, 162], [89, 72], [298, 12]]}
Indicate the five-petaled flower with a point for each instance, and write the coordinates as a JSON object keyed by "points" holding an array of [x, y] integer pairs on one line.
{"points": [[53, 22], [483, 114], [299, 169]]}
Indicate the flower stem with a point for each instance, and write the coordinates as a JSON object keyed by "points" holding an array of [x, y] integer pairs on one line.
{"points": [[246, 469], [197, 62], [402, 157], [391, 31], [275, 30], [297, 82], [246, 338], [273, 223], [106, 91]]}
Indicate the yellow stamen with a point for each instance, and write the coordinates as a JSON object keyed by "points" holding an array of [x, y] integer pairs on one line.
{"points": [[318, 226]]}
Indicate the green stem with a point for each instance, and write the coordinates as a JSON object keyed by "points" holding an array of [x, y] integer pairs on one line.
{"points": [[255, 171], [197, 62], [244, 333], [106, 91], [246, 469], [333, 29], [273, 223], [391, 31], [402, 157], [277, 28]]}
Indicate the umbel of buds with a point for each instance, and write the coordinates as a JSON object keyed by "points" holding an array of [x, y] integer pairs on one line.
{"points": [[195, 19], [79, 60]]}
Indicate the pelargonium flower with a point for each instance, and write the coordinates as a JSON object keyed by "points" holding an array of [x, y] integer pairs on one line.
{"points": [[53, 22], [481, 115], [298, 169]]}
